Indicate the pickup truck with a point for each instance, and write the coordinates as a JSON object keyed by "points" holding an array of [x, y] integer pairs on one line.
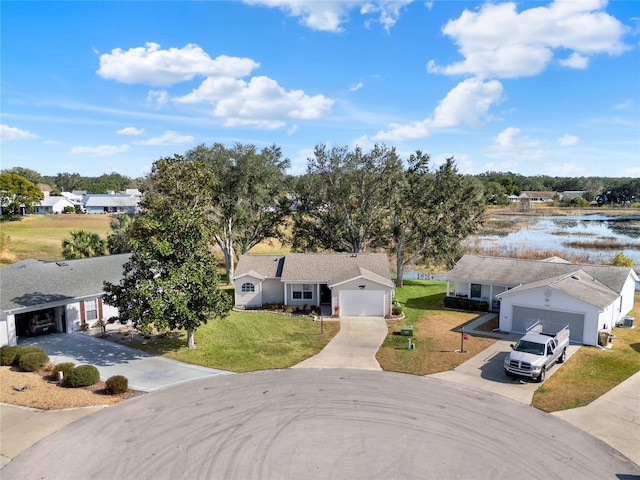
{"points": [[536, 352]]}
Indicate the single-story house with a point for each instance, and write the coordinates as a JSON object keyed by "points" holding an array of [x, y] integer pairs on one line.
{"points": [[70, 290], [341, 284], [588, 298], [53, 204], [111, 203], [537, 196]]}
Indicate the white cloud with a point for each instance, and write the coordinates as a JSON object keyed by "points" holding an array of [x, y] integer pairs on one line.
{"points": [[356, 86], [292, 129], [514, 149], [100, 150], [261, 102], [168, 138], [575, 60], [568, 140], [152, 66], [329, 16], [625, 105], [130, 131], [498, 41], [12, 133], [467, 103], [159, 97]]}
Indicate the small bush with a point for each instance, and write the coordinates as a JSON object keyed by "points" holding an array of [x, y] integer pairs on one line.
{"points": [[116, 385], [8, 354], [24, 350], [82, 376], [65, 368], [396, 310], [30, 362]]}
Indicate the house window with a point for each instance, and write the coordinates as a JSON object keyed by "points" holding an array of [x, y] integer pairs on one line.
{"points": [[91, 309], [248, 288], [304, 292], [476, 290]]}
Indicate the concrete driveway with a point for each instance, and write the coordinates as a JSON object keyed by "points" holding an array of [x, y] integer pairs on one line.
{"points": [[355, 345], [144, 371], [320, 424], [485, 371]]}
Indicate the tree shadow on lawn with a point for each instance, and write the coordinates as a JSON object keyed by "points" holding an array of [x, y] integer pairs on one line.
{"points": [[427, 302], [157, 343], [635, 346]]}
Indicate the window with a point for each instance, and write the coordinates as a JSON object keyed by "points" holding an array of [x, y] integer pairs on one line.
{"points": [[476, 290], [91, 309], [248, 288], [304, 291]]}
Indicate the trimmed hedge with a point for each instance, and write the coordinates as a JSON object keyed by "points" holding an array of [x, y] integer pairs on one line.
{"points": [[65, 368], [396, 310], [116, 385], [8, 354], [461, 303], [32, 361], [82, 376]]}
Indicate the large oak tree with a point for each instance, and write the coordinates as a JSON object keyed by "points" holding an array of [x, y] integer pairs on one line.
{"points": [[249, 201]]}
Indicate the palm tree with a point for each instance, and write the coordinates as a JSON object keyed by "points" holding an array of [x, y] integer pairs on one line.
{"points": [[83, 244]]}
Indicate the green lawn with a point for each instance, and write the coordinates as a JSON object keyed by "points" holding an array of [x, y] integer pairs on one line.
{"points": [[246, 341]]}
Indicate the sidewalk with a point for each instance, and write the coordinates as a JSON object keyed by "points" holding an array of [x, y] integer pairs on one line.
{"points": [[22, 427], [614, 418]]}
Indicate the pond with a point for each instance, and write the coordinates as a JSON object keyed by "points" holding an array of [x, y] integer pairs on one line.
{"points": [[593, 238]]}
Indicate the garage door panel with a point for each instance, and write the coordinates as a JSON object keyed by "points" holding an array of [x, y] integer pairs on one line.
{"points": [[524, 317], [355, 303]]}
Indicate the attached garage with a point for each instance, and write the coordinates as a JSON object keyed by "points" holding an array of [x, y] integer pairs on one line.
{"points": [[355, 303], [524, 317]]}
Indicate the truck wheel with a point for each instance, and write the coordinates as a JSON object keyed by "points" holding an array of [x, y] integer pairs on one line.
{"points": [[508, 373], [542, 375], [563, 357]]}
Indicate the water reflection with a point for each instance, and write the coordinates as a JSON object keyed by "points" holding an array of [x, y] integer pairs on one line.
{"points": [[564, 234]]}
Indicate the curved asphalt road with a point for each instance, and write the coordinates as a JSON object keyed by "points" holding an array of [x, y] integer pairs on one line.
{"points": [[316, 424]]}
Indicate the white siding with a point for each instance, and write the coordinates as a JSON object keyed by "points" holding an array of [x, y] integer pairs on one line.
{"points": [[248, 299], [354, 286], [272, 291]]}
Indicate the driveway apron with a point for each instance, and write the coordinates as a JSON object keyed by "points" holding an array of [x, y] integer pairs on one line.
{"points": [[144, 371], [355, 346]]}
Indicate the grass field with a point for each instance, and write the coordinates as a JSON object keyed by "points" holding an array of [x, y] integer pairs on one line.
{"points": [[40, 236]]}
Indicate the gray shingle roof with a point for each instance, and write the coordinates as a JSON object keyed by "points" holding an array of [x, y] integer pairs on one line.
{"points": [[577, 284], [513, 271], [33, 282], [327, 268], [109, 200]]}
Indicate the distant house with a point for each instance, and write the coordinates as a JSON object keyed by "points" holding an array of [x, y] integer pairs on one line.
{"points": [[70, 290], [569, 194], [588, 298], [53, 205], [344, 284], [111, 203], [537, 197]]}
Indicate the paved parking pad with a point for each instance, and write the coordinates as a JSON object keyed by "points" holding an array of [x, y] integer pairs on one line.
{"points": [[144, 371], [486, 371], [321, 424]]}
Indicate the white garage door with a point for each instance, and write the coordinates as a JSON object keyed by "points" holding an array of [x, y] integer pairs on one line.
{"points": [[354, 303], [524, 317]]}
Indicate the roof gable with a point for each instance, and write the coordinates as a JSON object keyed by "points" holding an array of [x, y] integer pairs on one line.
{"points": [[577, 284]]}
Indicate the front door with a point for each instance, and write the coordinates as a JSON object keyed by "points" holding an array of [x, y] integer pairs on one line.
{"points": [[325, 294]]}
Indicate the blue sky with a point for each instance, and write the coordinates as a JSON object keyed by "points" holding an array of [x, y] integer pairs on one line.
{"points": [[536, 88]]}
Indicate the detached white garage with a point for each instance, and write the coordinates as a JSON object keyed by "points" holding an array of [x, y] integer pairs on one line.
{"points": [[355, 303]]}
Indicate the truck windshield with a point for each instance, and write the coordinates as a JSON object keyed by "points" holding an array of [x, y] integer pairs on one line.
{"points": [[529, 347]]}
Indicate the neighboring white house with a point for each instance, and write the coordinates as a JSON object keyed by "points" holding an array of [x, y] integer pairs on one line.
{"points": [[111, 203], [340, 284], [71, 290], [588, 298], [53, 205]]}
